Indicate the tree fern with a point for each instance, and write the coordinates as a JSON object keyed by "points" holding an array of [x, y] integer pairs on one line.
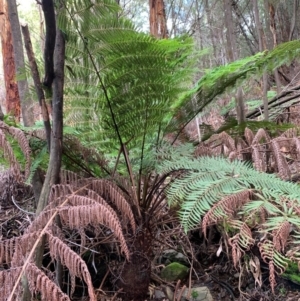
{"points": [[126, 83]]}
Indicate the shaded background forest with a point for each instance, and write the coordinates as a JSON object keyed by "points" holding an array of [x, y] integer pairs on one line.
{"points": [[223, 31]]}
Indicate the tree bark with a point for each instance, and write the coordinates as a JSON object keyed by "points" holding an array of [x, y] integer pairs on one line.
{"points": [[232, 55], [50, 24], [262, 47], [210, 24], [274, 35], [26, 102], [52, 176], [37, 83], [12, 103], [293, 23], [242, 20], [158, 23]]}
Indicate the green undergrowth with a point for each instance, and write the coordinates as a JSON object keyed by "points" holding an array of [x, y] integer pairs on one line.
{"points": [[292, 273]]}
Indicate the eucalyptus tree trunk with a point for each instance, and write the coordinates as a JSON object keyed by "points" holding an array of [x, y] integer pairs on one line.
{"points": [[231, 49], [26, 102], [262, 47], [158, 23], [12, 102]]}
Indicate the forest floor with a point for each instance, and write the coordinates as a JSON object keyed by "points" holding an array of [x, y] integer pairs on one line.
{"points": [[217, 273]]}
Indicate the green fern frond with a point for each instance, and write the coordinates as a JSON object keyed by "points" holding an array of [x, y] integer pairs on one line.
{"points": [[216, 81], [204, 182], [41, 158], [123, 84]]}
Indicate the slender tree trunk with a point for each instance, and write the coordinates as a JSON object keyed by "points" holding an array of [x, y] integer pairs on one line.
{"points": [[262, 47], [42, 30], [37, 83], [268, 35], [273, 31], [52, 176], [242, 21], [12, 94], [210, 24], [26, 102], [293, 23], [231, 48]]}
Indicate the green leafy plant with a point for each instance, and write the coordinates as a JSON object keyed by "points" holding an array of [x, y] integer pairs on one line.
{"points": [[213, 191]]}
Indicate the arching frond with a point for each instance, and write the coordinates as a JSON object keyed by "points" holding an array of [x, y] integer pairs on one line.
{"points": [[205, 181], [123, 83], [216, 81]]}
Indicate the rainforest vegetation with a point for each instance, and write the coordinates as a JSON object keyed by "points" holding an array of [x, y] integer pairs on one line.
{"points": [[149, 150]]}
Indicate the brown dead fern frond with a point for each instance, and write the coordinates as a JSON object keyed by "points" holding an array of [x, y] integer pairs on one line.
{"points": [[69, 177], [240, 242], [258, 158], [221, 143], [40, 283], [202, 150], [249, 136], [261, 136], [7, 249], [38, 133], [58, 191], [259, 147], [241, 145], [77, 267], [280, 236], [281, 163], [8, 187], [81, 216], [277, 263], [41, 220], [294, 255], [263, 214], [7, 280], [290, 133], [227, 140], [233, 155], [91, 199], [80, 200], [112, 193], [122, 206], [296, 143], [272, 278], [225, 208], [12, 251], [102, 191]]}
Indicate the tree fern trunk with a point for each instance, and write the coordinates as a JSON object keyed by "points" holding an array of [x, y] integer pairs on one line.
{"points": [[135, 275]]}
